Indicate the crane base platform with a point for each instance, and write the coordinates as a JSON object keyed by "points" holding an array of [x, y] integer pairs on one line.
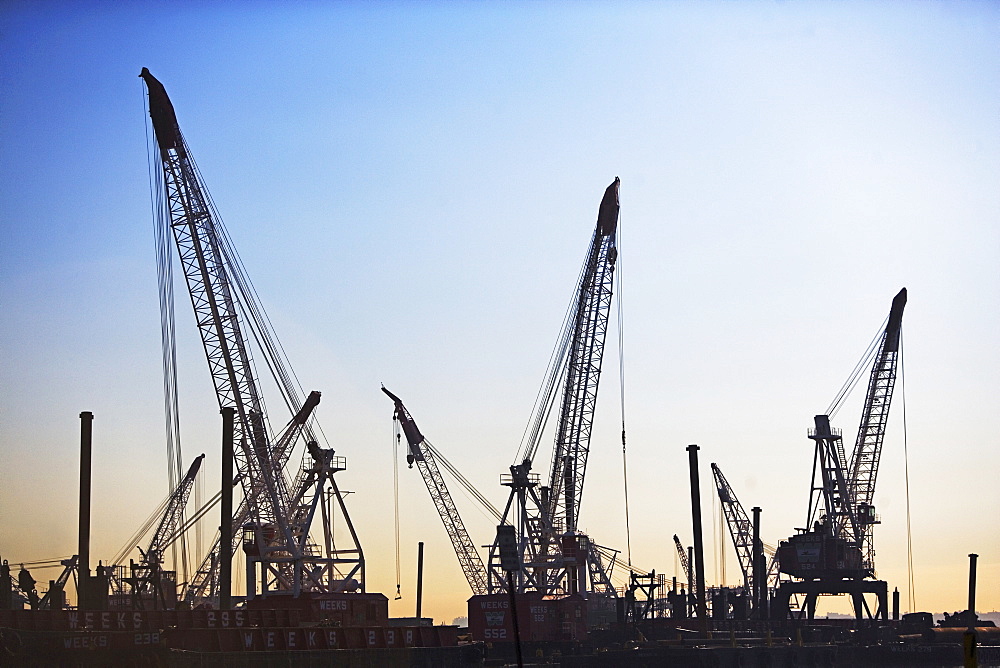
{"points": [[857, 589]]}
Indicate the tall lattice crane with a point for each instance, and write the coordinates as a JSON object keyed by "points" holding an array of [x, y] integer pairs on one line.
{"points": [[741, 531], [834, 553], [423, 455], [841, 503], [555, 556], [863, 467], [685, 563], [225, 310], [147, 576]]}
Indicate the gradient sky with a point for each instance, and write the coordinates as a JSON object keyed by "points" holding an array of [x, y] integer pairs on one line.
{"points": [[412, 188]]}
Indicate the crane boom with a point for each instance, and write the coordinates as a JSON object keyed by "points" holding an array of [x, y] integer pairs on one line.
{"points": [[273, 518], [583, 371], [465, 549], [556, 557], [740, 526], [682, 554], [863, 467], [148, 581], [206, 272], [172, 516], [741, 531]]}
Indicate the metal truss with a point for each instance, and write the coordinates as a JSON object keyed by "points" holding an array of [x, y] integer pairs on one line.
{"points": [[741, 531], [215, 285], [847, 488], [572, 447], [305, 568], [871, 432], [422, 454], [556, 558]]}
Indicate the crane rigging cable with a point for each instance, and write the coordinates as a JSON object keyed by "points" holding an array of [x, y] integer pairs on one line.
{"points": [[259, 322], [262, 332], [621, 392], [464, 482], [395, 497], [231, 325], [856, 374], [248, 304], [417, 453], [541, 514], [193, 519], [137, 537], [911, 593], [168, 340], [45, 563], [555, 372], [255, 317]]}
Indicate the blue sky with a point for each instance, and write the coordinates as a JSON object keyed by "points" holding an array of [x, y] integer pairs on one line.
{"points": [[412, 187]]}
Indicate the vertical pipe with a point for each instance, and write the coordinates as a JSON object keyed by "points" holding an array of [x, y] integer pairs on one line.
{"points": [[420, 578], [969, 640], [513, 619], [86, 442], [756, 554], [972, 590], [226, 521], [699, 548]]}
